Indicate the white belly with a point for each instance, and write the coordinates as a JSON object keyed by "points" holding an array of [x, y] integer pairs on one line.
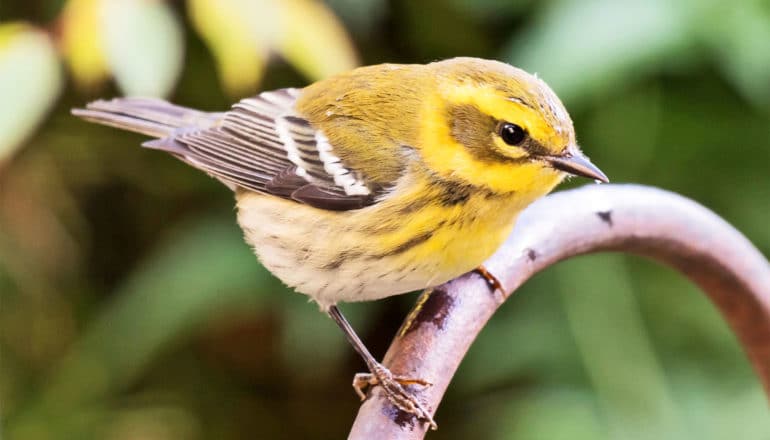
{"points": [[320, 254]]}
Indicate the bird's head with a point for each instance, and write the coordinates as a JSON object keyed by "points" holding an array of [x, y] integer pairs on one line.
{"points": [[497, 126]]}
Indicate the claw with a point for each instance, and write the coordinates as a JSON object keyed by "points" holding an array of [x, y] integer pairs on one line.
{"points": [[361, 381], [491, 279], [394, 389]]}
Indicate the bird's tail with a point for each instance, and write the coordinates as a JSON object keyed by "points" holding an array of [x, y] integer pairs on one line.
{"points": [[153, 117]]}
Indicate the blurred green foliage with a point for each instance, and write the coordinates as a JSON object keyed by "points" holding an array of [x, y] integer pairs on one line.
{"points": [[130, 307]]}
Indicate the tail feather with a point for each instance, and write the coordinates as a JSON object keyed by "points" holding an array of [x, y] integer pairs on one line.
{"points": [[152, 117]]}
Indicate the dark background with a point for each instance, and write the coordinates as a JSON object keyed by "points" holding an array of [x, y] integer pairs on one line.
{"points": [[130, 308]]}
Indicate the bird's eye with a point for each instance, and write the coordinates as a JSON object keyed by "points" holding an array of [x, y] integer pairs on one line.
{"points": [[512, 134]]}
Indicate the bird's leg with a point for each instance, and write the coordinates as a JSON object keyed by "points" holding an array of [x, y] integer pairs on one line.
{"points": [[379, 375], [491, 279]]}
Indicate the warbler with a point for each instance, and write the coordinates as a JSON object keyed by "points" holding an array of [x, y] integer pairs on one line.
{"points": [[376, 182]]}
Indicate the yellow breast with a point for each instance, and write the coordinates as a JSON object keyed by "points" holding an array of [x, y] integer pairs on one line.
{"points": [[448, 233]]}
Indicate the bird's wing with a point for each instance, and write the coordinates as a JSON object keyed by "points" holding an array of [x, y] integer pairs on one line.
{"points": [[263, 145]]}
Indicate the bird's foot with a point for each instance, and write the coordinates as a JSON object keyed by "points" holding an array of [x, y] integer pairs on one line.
{"points": [[492, 280], [394, 389]]}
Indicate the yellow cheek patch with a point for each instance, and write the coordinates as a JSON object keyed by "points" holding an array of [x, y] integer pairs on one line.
{"points": [[452, 160]]}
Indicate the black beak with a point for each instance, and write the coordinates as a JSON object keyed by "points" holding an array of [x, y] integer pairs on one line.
{"points": [[575, 162]]}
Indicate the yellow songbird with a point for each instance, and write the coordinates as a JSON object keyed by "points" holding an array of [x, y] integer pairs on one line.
{"points": [[375, 182]]}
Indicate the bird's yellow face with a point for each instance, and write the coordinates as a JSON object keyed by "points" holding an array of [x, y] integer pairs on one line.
{"points": [[500, 128]]}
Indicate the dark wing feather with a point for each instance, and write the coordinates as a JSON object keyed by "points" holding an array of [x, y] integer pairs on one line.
{"points": [[263, 146], [321, 197], [285, 183]]}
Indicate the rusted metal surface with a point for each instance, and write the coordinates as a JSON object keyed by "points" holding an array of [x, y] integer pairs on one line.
{"points": [[625, 218]]}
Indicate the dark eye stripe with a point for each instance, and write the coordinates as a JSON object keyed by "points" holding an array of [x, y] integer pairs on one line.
{"points": [[534, 147], [475, 130]]}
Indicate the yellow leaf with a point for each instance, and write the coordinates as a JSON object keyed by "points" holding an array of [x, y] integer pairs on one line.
{"points": [[82, 42], [240, 57], [314, 40], [242, 33]]}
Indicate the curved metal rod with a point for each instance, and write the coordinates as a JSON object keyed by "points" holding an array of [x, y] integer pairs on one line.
{"points": [[627, 218]]}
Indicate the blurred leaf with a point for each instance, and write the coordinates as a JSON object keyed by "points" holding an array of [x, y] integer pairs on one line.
{"points": [[617, 352], [143, 45], [82, 42], [207, 267], [241, 33], [580, 46], [313, 39], [30, 81], [555, 414], [241, 58], [724, 408], [739, 36]]}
